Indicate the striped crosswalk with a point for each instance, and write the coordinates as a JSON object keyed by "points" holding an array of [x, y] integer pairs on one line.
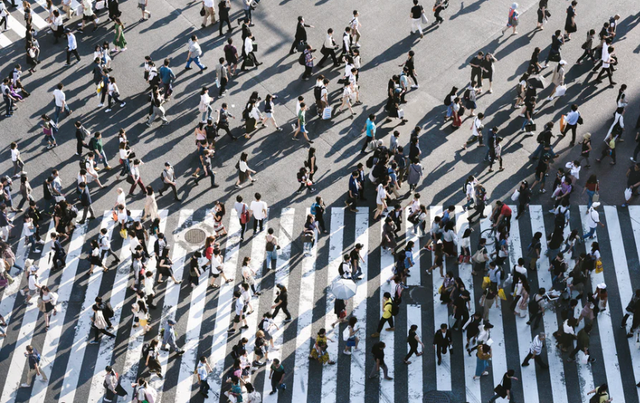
{"points": [[75, 368]]}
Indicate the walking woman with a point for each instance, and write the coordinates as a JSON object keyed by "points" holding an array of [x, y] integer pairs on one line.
{"points": [[310, 163], [413, 339], [414, 174], [570, 23], [153, 358], [49, 300], [585, 149], [140, 311], [112, 385], [534, 63], [204, 107], [543, 14], [512, 21], [119, 41], [218, 213], [488, 69], [268, 112], [95, 258], [99, 325], [601, 393], [592, 187], [114, 94], [317, 210], [557, 79], [281, 302], [244, 172], [249, 275], [482, 362], [165, 266], [349, 336], [150, 205]]}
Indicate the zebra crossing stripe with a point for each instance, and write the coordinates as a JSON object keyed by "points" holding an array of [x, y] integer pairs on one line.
{"points": [[556, 366], [118, 293], [305, 318], [410, 236], [634, 215], [52, 338], [472, 389], [387, 388], [529, 378], [83, 326], [625, 292], [172, 293], [605, 327], [357, 385], [336, 241], [29, 321], [440, 312], [38, 22], [4, 41], [8, 300], [285, 239], [224, 311]]}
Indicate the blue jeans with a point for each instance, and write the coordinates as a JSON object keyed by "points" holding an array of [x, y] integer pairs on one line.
{"points": [[589, 234], [247, 14], [526, 122], [481, 366], [56, 115], [195, 60], [206, 114], [590, 193], [272, 256]]}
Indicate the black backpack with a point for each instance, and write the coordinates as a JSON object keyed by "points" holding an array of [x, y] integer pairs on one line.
{"points": [[447, 100], [145, 350], [108, 311], [395, 308], [369, 162], [301, 59], [317, 92], [45, 191], [466, 95]]}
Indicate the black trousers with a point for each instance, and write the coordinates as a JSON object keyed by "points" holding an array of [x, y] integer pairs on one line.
{"points": [[441, 349], [75, 53], [105, 252], [367, 140], [326, 53], [437, 15], [573, 131], [243, 228], [222, 21], [608, 71], [98, 332], [166, 186], [479, 210], [223, 85], [413, 350], [79, 147], [307, 72], [284, 309], [537, 359], [587, 54], [477, 73], [257, 223], [225, 127], [294, 45], [382, 322]]}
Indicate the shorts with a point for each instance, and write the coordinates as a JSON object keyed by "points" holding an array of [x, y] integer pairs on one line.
{"points": [[142, 7], [267, 336], [351, 342], [31, 293], [380, 207], [236, 319], [88, 18], [215, 275], [269, 115], [303, 128]]}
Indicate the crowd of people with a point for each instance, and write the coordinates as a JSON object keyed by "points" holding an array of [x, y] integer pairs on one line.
{"points": [[391, 168]]}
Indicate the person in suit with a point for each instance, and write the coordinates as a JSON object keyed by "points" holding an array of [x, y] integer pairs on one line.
{"points": [[59, 254], [301, 34], [442, 341], [85, 200], [354, 190]]}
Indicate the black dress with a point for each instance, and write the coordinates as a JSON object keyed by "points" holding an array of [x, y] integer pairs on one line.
{"points": [[569, 25]]}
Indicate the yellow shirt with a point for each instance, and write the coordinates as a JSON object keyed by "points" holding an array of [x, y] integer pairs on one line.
{"points": [[386, 310]]}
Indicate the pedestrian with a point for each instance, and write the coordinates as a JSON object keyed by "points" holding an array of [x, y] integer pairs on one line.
{"points": [[150, 205], [203, 370], [503, 389], [281, 302], [114, 93], [633, 182], [99, 325], [496, 154], [300, 39], [134, 177], [488, 68], [413, 339], [417, 18], [387, 315], [601, 394], [244, 172], [119, 41], [593, 219], [442, 341], [166, 78], [60, 104], [222, 79], [223, 12], [555, 52], [140, 311], [558, 81], [170, 338], [169, 181], [512, 19], [72, 46], [231, 56], [249, 49], [16, 159], [570, 23], [277, 377], [208, 6], [142, 5], [33, 358], [157, 100], [438, 7], [535, 350], [378, 355], [543, 14], [588, 47], [144, 392], [608, 61], [152, 361], [194, 54]]}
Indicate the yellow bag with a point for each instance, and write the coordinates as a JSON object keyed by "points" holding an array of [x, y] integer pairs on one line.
{"points": [[440, 289], [486, 282], [563, 123], [502, 295], [100, 87], [123, 233], [599, 267]]}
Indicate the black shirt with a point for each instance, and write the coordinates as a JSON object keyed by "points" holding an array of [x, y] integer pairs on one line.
{"points": [[409, 64], [506, 382], [416, 12], [476, 61], [223, 10], [412, 338], [282, 297], [634, 177], [378, 352]]}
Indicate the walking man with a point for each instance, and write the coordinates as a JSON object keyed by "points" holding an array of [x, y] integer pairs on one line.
{"points": [[194, 54], [535, 350], [582, 344], [135, 177], [301, 35], [203, 371], [370, 130], [167, 77], [169, 180], [442, 341], [85, 200], [61, 102], [72, 47], [258, 210], [378, 355], [170, 338], [209, 11], [387, 315], [34, 367]]}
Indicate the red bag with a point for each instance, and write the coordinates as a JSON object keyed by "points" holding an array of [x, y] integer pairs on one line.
{"points": [[244, 216]]}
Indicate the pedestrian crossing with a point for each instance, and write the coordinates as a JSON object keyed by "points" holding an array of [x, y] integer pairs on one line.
{"points": [[75, 368]]}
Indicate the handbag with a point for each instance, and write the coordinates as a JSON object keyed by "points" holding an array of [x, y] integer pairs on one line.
{"points": [[500, 391], [326, 113], [100, 5], [502, 294], [244, 216], [300, 46], [202, 12], [130, 180], [627, 194], [41, 305], [123, 233], [423, 19], [530, 128], [554, 57], [486, 282], [401, 113], [307, 237], [255, 47], [596, 197], [599, 267]]}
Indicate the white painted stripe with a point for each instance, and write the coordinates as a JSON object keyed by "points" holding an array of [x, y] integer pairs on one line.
{"points": [[52, 339], [499, 354], [285, 238], [387, 388], [603, 320], [358, 368], [472, 387], [4, 41], [172, 295], [625, 291], [28, 326], [336, 241], [137, 336], [410, 236], [16, 26], [116, 299], [83, 326], [529, 380], [38, 22], [224, 312], [189, 359], [10, 293], [306, 303], [414, 317], [556, 366], [440, 313]]}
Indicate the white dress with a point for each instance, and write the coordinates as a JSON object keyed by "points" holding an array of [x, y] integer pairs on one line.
{"points": [[151, 207]]}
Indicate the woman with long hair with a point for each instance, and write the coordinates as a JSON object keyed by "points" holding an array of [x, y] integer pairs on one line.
{"points": [[268, 111], [150, 205], [244, 172], [119, 41], [218, 213]]}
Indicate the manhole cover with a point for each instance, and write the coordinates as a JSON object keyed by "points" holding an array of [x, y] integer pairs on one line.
{"points": [[195, 236], [436, 397]]}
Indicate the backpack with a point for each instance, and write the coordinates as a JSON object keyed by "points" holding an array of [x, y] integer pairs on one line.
{"points": [[108, 311], [369, 162], [45, 191], [245, 112], [317, 92], [37, 355], [145, 350], [466, 95], [395, 308], [301, 59], [595, 398], [447, 100], [261, 324], [313, 208]]}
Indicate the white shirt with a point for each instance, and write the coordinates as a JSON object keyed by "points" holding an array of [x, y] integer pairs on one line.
{"points": [[194, 49], [208, 3], [112, 88], [133, 244], [205, 100], [259, 209], [135, 172], [105, 242], [216, 264], [297, 108], [521, 269], [536, 346], [248, 45], [381, 194], [239, 306], [59, 97], [71, 42], [247, 273], [15, 154], [328, 42], [239, 206], [32, 282], [593, 218], [477, 127], [243, 166], [202, 370], [345, 41], [121, 199], [86, 8]]}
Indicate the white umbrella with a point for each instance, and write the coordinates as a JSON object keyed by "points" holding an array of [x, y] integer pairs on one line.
{"points": [[343, 288]]}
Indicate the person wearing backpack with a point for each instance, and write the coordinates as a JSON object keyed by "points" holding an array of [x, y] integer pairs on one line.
{"points": [[536, 308], [33, 358], [600, 394], [387, 314]]}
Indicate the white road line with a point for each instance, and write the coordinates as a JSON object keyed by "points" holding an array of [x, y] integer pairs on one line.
{"points": [[499, 355], [605, 327], [336, 241], [38, 22], [224, 311], [529, 380], [52, 339], [15, 26], [305, 318], [137, 336], [116, 299], [472, 387], [29, 320], [358, 368], [414, 317], [10, 293], [625, 292], [4, 41], [258, 250], [194, 323], [440, 312], [387, 388], [172, 295], [556, 366], [83, 326], [410, 236], [285, 238]]}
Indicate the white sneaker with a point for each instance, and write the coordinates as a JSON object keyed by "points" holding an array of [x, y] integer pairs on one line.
{"points": [[107, 110], [24, 385], [346, 352], [100, 105], [632, 160], [415, 86], [123, 104]]}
